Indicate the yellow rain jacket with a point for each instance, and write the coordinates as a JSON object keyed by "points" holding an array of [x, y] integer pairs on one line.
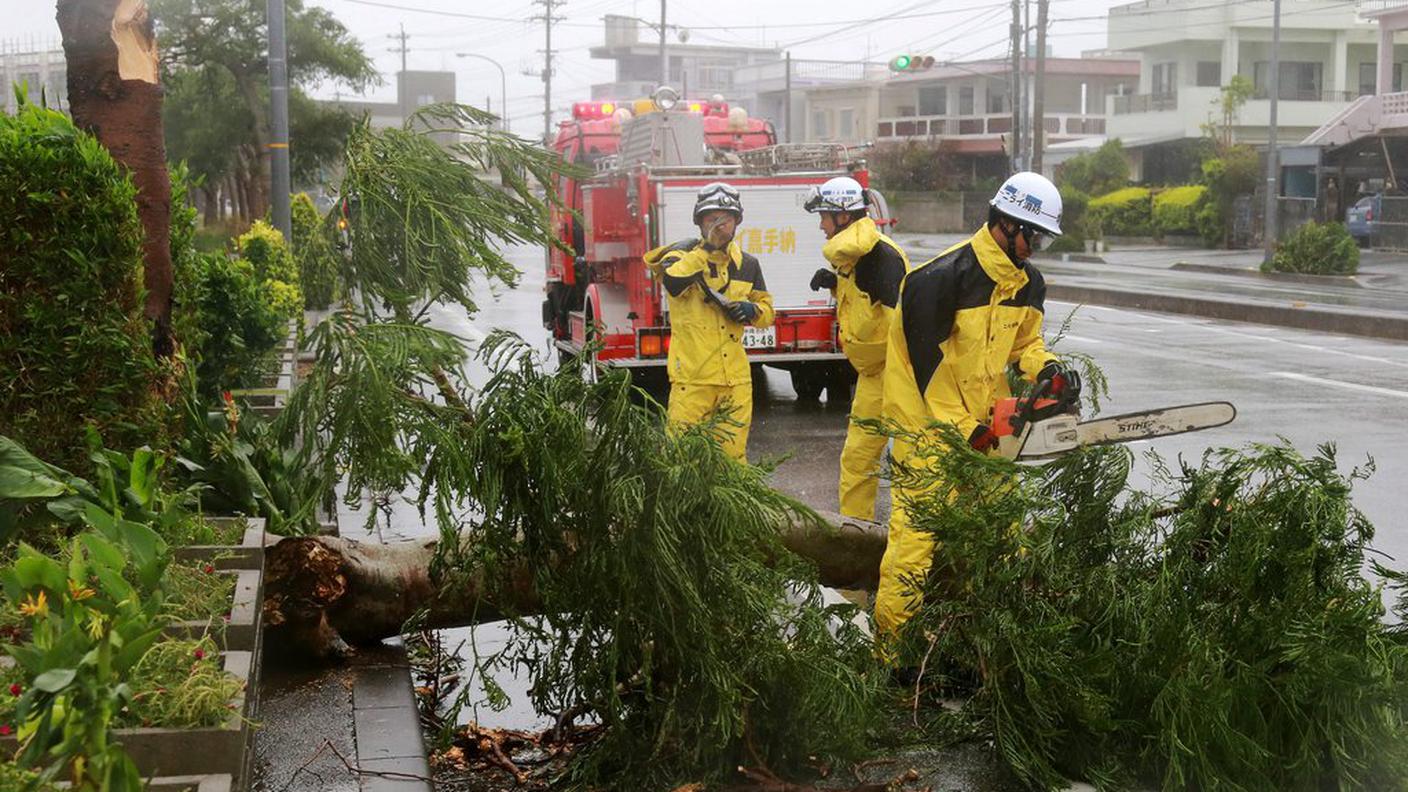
{"points": [[962, 319], [707, 363], [869, 267]]}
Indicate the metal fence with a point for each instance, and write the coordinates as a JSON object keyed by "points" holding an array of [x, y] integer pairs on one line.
{"points": [[1391, 231]]}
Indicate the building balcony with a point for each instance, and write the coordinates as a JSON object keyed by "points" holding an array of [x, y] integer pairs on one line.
{"points": [[993, 126], [1183, 114], [1368, 115]]}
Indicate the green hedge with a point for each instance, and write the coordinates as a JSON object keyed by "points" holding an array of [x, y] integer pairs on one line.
{"points": [[274, 267], [75, 347], [1175, 210], [314, 253], [1317, 249], [1125, 212]]}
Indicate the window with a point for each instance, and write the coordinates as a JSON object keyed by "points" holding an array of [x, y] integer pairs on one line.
{"points": [[965, 100], [425, 99], [1165, 82], [1369, 78], [1299, 80], [933, 101], [1209, 74], [846, 124], [715, 74], [819, 124]]}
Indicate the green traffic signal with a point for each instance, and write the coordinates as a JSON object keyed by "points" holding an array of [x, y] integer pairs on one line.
{"points": [[900, 63]]}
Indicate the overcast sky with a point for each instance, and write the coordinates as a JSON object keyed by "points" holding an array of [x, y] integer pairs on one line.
{"points": [[824, 29]]}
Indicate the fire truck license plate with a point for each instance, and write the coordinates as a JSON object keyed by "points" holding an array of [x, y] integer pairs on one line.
{"points": [[759, 337]]}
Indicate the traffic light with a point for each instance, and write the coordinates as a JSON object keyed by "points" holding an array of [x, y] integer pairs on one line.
{"points": [[911, 63]]}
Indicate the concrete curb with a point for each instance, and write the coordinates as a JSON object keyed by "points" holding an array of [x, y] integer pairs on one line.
{"points": [[1286, 277], [1319, 319]]}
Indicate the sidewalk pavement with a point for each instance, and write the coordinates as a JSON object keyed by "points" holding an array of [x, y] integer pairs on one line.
{"points": [[1221, 284]]}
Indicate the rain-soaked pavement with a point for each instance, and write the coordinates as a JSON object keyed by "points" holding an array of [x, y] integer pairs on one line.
{"points": [[1306, 387]]}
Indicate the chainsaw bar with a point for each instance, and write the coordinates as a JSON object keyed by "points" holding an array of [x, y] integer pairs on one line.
{"points": [[1060, 434]]}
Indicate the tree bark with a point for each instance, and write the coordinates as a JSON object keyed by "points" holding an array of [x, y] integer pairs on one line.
{"points": [[115, 93], [210, 203], [261, 172], [324, 593]]}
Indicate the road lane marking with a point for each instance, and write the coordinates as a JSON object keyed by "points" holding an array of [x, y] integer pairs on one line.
{"points": [[1208, 324], [1081, 339], [1341, 384]]}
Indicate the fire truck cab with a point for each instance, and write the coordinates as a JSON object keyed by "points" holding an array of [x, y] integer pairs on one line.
{"points": [[643, 168]]}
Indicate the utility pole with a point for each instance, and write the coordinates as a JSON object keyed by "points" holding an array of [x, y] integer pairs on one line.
{"points": [[664, 57], [787, 100], [1268, 226], [1016, 134], [548, 20], [279, 205], [403, 49], [1039, 87]]}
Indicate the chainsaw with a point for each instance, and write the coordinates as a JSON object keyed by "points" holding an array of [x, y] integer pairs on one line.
{"points": [[1039, 426]]}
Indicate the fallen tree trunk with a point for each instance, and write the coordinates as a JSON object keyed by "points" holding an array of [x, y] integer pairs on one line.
{"points": [[324, 594]]}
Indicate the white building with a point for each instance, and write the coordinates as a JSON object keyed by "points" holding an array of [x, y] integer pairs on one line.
{"points": [[1189, 49], [966, 107], [39, 68]]}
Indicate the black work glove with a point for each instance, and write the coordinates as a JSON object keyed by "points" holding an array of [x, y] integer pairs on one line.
{"points": [[741, 311], [684, 245], [824, 278], [982, 438], [1065, 382]]}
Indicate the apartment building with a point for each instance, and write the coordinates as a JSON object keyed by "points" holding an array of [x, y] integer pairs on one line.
{"points": [[40, 68], [967, 107], [1189, 49]]}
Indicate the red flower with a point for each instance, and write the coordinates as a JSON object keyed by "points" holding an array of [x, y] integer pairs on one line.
{"points": [[5, 730], [15, 689], [200, 654], [227, 397], [209, 568]]}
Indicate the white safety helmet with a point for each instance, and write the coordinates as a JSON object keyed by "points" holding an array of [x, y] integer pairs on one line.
{"points": [[840, 194], [1030, 199], [718, 195]]}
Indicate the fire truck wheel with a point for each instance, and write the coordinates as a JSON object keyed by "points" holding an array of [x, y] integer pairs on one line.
{"points": [[808, 382], [840, 384]]}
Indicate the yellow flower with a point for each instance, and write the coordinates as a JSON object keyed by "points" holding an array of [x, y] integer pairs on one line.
{"points": [[35, 606], [96, 623], [78, 593]]}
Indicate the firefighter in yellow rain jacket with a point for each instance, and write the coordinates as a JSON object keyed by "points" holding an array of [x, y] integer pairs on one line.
{"points": [[963, 318], [715, 290], [865, 274]]}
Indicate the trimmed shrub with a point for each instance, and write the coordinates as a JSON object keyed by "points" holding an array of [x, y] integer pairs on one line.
{"points": [[1097, 172], [1074, 208], [313, 251], [1234, 173], [274, 268], [265, 249], [1317, 249], [239, 323], [75, 347], [1125, 212], [1176, 209]]}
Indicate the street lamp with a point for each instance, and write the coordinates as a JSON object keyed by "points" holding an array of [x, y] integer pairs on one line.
{"points": [[503, 85]]}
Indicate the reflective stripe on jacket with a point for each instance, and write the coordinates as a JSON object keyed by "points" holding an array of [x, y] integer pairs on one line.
{"points": [[962, 318], [869, 267], [706, 347]]}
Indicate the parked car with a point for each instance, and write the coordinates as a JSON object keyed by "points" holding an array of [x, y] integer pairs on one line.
{"points": [[1362, 219]]}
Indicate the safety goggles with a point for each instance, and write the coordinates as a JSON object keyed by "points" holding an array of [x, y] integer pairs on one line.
{"points": [[1035, 237], [718, 189]]}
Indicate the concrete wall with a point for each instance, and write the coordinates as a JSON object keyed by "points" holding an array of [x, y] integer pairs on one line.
{"points": [[938, 213]]}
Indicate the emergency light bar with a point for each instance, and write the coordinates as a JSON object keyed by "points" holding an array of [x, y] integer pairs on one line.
{"points": [[588, 111]]}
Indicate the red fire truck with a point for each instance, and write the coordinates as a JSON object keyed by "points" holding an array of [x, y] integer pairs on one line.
{"points": [[645, 169]]}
